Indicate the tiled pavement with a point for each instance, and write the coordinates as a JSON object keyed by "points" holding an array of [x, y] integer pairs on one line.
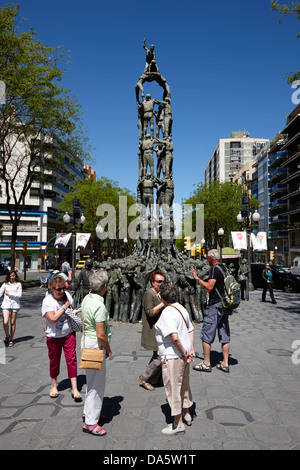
{"points": [[256, 406]]}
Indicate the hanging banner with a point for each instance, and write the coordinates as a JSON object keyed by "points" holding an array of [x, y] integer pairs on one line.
{"points": [[62, 239], [259, 242], [239, 240], [82, 240]]}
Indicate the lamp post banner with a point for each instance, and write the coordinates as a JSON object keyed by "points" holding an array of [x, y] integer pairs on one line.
{"points": [[239, 240], [62, 239], [259, 242], [82, 240]]}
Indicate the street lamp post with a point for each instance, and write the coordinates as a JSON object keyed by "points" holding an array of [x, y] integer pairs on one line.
{"points": [[221, 233], [245, 214], [77, 215]]}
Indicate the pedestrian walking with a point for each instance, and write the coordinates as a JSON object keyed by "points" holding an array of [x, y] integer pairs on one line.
{"points": [[152, 307], [267, 278], [175, 339], [97, 336], [60, 335], [216, 317], [11, 290]]}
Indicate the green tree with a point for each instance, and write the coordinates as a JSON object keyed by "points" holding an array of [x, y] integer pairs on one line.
{"points": [[285, 10], [222, 203], [94, 193], [40, 123]]}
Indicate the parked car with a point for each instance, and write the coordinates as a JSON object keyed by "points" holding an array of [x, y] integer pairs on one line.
{"points": [[282, 279], [295, 268], [80, 264], [3, 268]]}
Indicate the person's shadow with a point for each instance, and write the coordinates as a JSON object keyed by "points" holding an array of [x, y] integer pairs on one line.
{"points": [[111, 405], [165, 408]]}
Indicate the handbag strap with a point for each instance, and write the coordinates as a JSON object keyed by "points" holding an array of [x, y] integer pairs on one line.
{"points": [[180, 314], [83, 319]]}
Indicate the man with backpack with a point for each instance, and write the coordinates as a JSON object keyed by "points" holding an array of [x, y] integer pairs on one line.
{"points": [[216, 313]]}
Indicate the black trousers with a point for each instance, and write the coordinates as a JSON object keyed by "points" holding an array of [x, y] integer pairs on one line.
{"points": [[268, 286]]}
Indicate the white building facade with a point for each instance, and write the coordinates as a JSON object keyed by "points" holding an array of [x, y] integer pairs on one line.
{"points": [[40, 219], [231, 154]]}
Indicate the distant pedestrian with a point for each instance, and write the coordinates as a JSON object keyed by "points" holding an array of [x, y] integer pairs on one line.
{"points": [[216, 316], [175, 339], [267, 278], [152, 307], [60, 335], [11, 289], [97, 336], [66, 269]]}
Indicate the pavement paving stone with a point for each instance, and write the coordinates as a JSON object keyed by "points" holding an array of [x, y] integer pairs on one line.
{"points": [[255, 407]]}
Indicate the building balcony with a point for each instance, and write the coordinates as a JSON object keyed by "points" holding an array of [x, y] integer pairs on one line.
{"points": [[278, 219], [277, 174], [290, 159], [289, 178], [278, 188], [278, 203], [277, 159]]}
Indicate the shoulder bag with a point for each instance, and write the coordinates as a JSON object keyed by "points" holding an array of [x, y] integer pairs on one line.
{"points": [[91, 358]]}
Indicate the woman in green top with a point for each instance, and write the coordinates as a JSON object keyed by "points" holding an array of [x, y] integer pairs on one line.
{"points": [[96, 335]]}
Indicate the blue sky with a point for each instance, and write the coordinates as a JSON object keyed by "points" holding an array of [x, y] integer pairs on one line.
{"points": [[225, 62]]}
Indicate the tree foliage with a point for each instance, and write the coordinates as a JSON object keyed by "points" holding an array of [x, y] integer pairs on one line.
{"points": [[222, 203], [285, 10], [94, 193], [40, 123]]}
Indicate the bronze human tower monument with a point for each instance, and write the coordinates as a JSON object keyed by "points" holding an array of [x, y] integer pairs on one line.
{"points": [[155, 188]]}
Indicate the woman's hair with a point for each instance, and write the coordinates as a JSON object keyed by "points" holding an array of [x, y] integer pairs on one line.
{"points": [[169, 292], [153, 274], [17, 279], [98, 280], [214, 254], [56, 281]]}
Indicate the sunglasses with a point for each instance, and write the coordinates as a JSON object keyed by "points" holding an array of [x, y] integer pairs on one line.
{"points": [[158, 281], [60, 289]]}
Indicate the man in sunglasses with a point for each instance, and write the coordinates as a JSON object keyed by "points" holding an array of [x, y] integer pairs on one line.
{"points": [[152, 308]]}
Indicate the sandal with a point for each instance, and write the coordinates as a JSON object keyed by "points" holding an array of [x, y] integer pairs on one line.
{"points": [[77, 398], [95, 429], [53, 392], [223, 368], [202, 367]]}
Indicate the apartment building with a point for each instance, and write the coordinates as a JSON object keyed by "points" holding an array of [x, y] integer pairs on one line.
{"points": [[40, 220], [290, 167], [231, 154]]}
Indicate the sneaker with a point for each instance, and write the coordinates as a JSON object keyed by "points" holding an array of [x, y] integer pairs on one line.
{"points": [[171, 430], [223, 368], [187, 419], [146, 385], [202, 367]]}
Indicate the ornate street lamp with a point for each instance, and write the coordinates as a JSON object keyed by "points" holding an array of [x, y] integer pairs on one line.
{"points": [[221, 233], [77, 216], [242, 215]]}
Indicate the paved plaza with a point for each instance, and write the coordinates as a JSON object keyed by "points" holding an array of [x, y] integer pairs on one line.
{"points": [[256, 406]]}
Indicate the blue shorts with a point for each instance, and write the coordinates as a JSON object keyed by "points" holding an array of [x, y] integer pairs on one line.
{"points": [[215, 320], [10, 310]]}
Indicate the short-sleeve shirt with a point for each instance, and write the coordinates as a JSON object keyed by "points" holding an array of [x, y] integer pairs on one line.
{"points": [[215, 273], [94, 311], [170, 321], [63, 326]]}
